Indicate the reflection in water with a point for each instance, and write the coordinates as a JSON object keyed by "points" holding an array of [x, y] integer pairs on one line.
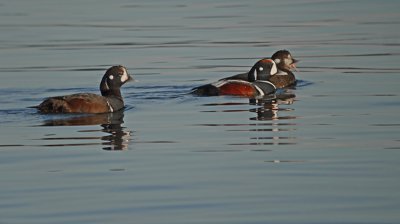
{"points": [[268, 110], [271, 127], [117, 139]]}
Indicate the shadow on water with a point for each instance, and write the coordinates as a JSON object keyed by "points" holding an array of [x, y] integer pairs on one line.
{"points": [[117, 138]]}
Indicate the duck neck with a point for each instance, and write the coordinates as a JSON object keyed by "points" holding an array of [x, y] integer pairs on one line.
{"points": [[284, 71], [282, 68], [114, 99], [116, 93]]}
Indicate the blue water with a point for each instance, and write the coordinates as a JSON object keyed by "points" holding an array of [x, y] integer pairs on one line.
{"points": [[327, 154]]}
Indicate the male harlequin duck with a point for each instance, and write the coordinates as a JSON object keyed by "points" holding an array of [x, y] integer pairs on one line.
{"points": [[109, 101], [255, 85], [284, 77]]}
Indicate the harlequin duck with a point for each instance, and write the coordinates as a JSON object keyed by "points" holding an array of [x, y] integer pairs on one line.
{"points": [[285, 63], [284, 77], [255, 85], [109, 101]]}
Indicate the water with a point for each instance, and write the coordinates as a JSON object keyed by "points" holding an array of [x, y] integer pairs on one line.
{"points": [[327, 155]]}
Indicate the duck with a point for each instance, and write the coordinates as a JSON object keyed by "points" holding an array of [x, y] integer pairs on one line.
{"points": [[256, 83], [109, 101], [285, 63], [284, 76]]}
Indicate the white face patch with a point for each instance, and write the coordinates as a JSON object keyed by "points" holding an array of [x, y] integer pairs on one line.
{"points": [[288, 61], [277, 60], [261, 69], [274, 69], [124, 76], [111, 77]]}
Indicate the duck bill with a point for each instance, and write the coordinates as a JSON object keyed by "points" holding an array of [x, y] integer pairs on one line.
{"points": [[293, 65], [130, 79]]}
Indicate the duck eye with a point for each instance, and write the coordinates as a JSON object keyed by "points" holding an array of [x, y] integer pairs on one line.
{"points": [[111, 77], [260, 69]]}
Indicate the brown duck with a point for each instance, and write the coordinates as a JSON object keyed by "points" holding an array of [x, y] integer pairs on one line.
{"points": [[110, 100]]}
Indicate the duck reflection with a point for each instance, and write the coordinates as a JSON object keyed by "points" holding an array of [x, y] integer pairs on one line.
{"points": [[269, 118], [118, 137], [268, 108]]}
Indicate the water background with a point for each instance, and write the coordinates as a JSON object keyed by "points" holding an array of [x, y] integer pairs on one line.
{"points": [[328, 155]]}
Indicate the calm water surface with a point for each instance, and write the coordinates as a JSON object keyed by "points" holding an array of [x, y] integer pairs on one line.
{"points": [[326, 152]]}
